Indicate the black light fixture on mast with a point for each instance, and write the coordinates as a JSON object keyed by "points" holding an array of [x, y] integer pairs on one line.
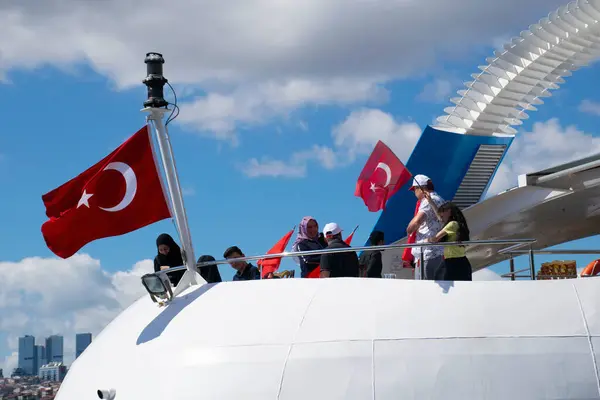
{"points": [[155, 81]]}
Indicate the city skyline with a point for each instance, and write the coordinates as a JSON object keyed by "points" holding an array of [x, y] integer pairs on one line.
{"points": [[34, 353]]}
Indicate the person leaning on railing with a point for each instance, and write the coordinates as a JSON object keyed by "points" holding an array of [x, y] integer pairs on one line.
{"points": [[425, 223], [306, 240], [457, 265], [338, 265], [168, 256], [245, 270]]}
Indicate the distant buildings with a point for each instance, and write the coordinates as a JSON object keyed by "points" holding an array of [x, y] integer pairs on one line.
{"points": [[27, 388], [54, 371], [46, 361], [82, 341], [54, 349], [27, 355]]}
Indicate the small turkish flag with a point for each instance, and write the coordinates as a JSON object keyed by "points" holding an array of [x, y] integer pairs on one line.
{"points": [[382, 176], [120, 194], [269, 265]]}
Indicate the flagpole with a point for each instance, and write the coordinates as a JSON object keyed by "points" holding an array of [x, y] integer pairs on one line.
{"points": [[156, 107]]}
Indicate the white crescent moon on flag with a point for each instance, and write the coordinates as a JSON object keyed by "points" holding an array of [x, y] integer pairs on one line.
{"points": [[388, 173], [130, 185]]}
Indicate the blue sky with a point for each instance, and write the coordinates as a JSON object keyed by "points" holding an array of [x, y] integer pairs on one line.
{"points": [[87, 119], [66, 106]]}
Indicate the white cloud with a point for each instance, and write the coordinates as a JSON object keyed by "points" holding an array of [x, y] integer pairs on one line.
{"points": [[438, 91], [256, 59], [10, 363], [590, 107], [361, 130], [44, 296], [355, 136], [548, 144], [220, 114], [296, 167], [324, 155], [273, 168], [498, 42]]}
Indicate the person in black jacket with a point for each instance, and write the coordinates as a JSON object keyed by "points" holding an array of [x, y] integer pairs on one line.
{"points": [[209, 272], [169, 255], [370, 260], [337, 265]]}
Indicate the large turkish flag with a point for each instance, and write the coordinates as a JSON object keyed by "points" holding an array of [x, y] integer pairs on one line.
{"points": [[119, 194]]}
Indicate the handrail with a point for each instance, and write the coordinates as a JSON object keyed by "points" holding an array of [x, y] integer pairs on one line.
{"points": [[508, 274], [557, 251], [513, 249], [361, 248], [513, 274]]}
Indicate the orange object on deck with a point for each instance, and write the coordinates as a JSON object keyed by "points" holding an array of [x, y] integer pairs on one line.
{"points": [[591, 269]]}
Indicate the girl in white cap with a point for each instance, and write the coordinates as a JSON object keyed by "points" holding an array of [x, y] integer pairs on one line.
{"points": [[426, 223]]}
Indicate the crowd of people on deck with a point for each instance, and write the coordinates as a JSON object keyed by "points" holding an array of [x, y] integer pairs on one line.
{"points": [[435, 221]]}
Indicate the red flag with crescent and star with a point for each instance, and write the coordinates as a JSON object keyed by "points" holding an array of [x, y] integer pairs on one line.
{"points": [[120, 194], [382, 176]]}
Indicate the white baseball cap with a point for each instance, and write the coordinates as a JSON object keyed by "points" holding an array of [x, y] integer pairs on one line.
{"points": [[419, 180], [331, 229]]}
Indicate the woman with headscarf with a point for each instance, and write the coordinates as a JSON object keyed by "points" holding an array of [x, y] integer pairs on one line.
{"points": [[169, 255], [209, 272], [307, 239]]}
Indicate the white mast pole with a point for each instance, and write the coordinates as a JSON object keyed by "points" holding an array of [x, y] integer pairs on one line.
{"points": [[156, 106]]}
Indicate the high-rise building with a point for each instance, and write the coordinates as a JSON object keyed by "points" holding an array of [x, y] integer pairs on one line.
{"points": [[39, 359], [27, 354], [54, 349], [82, 341]]}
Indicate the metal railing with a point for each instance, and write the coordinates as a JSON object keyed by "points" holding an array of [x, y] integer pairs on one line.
{"points": [[514, 245], [513, 274]]}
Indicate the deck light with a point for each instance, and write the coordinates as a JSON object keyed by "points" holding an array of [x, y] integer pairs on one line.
{"points": [[158, 286]]}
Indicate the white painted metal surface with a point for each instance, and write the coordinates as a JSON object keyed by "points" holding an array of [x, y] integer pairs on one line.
{"points": [[525, 71], [352, 339]]}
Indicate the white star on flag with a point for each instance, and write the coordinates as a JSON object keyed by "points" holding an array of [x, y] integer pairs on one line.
{"points": [[84, 200]]}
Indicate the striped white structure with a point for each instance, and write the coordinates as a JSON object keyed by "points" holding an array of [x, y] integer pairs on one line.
{"points": [[525, 71]]}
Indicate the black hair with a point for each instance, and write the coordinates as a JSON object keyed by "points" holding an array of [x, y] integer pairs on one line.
{"points": [[463, 234], [206, 258], [376, 237], [231, 250]]}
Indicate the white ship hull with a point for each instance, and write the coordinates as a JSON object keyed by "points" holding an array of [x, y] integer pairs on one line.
{"points": [[352, 339]]}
